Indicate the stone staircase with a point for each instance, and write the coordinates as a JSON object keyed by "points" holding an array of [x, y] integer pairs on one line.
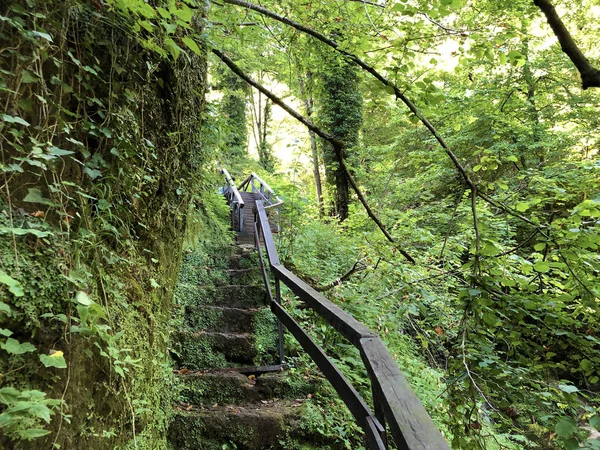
{"points": [[225, 332]]}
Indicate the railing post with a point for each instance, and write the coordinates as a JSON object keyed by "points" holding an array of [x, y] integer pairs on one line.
{"points": [[380, 415], [279, 324], [240, 217]]}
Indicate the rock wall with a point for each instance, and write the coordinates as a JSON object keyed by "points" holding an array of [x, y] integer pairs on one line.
{"points": [[102, 163]]}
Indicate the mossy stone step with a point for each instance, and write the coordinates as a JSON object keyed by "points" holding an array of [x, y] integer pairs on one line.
{"points": [[259, 426], [244, 260], [221, 319], [226, 388], [232, 296], [205, 350], [222, 276]]}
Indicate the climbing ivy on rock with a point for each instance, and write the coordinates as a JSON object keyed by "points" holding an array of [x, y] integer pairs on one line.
{"points": [[101, 161]]}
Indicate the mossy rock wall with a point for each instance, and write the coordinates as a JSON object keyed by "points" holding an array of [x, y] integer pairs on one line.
{"points": [[102, 168]]}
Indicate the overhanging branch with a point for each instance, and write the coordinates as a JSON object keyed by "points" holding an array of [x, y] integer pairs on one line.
{"points": [[397, 92], [336, 144], [590, 76]]}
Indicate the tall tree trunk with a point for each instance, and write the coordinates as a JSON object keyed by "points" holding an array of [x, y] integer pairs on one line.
{"points": [[308, 106], [233, 111], [261, 114], [340, 114]]}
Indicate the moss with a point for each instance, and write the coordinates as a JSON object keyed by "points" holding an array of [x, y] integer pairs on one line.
{"points": [[203, 318], [196, 354], [124, 204], [264, 326], [231, 296]]}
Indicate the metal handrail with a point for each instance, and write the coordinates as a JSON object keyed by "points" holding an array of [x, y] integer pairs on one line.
{"points": [[262, 187], [395, 403], [236, 203]]}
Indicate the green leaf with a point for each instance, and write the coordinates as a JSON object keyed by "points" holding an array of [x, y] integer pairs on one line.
{"points": [[14, 287], [522, 207], [14, 119], [33, 433], [4, 308], [16, 348], [491, 319], [512, 158], [173, 48], [514, 54], [29, 77], [595, 422], [184, 14], [24, 231], [6, 333], [539, 246], [9, 395], [35, 196], [42, 35], [92, 173], [477, 168], [566, 427], [55, 360], [489, 250], [83, 299], [541, 266], [164, 13], [568, 388], [192, 45], [55, 151]]}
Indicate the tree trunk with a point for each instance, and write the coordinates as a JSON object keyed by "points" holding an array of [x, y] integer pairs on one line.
{"points": [[340, 113], [308, 106]]}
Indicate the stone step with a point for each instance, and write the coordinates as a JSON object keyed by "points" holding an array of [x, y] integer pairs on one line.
{"points": [[206, 350], [244, 259], [226, 388], [222, 319], [258, 426], [232, 296], [202, 275]]}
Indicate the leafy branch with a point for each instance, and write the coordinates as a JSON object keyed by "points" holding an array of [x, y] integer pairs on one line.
{"points": [[472, 186], [336, 144]]}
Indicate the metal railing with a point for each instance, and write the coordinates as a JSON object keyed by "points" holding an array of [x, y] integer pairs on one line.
{"points": [[395, 403], [259, 186], [236, 204]]}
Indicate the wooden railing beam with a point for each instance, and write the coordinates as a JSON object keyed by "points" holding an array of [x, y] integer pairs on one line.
{"points": [[395, 402], [409, 423], [343, 322]]}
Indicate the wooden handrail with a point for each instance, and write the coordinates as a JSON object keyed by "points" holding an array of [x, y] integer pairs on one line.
{"points": [[395, 402]]}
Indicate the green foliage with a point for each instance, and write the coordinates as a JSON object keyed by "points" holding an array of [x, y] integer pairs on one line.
{"points": [[101, 164], [26, 413], [495, 324]]}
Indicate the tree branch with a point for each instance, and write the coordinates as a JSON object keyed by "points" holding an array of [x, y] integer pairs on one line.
{"points": [[399, 95], [369, 3], [357, 267], [590, 76], [336, 144]]}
